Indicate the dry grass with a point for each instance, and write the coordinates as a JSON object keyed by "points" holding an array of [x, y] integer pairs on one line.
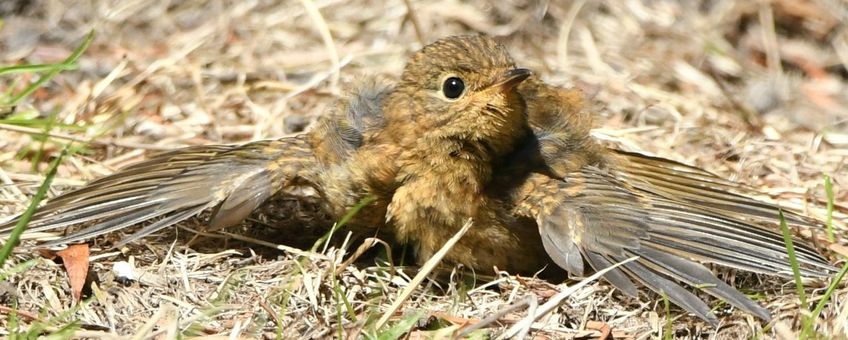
{"points": [[755, 91]]}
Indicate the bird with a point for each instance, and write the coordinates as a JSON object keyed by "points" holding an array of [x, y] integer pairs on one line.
{"points": [[465, 134]]}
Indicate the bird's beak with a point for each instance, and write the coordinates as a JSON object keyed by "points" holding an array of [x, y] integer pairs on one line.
{"points": [[511, 78]]}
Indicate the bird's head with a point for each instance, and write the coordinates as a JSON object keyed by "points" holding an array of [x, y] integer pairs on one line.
{"points": [[462, 89]]}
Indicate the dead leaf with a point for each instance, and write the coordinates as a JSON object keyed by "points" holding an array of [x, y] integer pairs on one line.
{"points": [[75, 258], [602, 327], [455, 320], [839, 249], [49, 254]]}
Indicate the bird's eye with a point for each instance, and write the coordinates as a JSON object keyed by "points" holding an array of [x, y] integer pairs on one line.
{"points": [[453, 87]]}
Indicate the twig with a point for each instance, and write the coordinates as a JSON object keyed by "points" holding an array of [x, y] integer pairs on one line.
{"points": [[422, 274], [316, 16], [770, 44], [107, 142], [293, 250], [565, 32], [410, 13], [368, 243], [556, 300], [27, 315], [270, 312], [528, 300]]}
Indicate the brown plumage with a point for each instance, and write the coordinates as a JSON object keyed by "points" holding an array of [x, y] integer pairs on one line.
{"points": [[466, 135]]}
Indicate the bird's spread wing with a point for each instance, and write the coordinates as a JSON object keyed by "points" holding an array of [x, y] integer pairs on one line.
{"points": [[600, 206], [607, 216], [176, 185], [231, 179]]}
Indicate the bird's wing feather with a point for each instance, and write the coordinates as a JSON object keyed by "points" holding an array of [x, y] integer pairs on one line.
{"points": [[173, 186], [680, 181], [602, 216]]}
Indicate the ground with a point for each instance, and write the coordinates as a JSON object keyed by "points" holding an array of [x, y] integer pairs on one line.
{"points": [[755, 91]]}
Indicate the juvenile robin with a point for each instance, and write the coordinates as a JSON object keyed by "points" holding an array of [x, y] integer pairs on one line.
{"points": [[465, 134]]}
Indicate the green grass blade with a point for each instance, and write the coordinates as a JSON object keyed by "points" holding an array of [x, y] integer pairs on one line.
{"points": [[17, 269], [45, 136], [68, 62], [66, 332], [341, 301], [11, 88], [828, 189], [339, 312], [342, 222], [15, 236], [40, 122], [34, 68], [793, 260], [400, 328], [825, 298], [12, 322]]}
